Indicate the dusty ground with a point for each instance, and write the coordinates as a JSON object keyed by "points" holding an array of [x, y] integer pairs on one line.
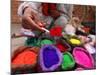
{"points": [[16, 42]]}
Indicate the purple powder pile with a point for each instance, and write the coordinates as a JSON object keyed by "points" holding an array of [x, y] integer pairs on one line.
{"points": [[50, 58]]}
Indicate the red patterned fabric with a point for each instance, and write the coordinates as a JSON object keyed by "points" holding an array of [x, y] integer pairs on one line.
{"points": [[46, 7]]}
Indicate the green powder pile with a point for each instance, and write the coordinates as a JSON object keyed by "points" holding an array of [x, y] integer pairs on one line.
{"points": [[68, 61], [46, 41]]}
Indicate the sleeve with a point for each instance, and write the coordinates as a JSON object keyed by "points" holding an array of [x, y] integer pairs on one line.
{"points": [[33, 5]]}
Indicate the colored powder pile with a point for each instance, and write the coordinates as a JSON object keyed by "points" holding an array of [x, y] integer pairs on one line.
{"points": [[31, 42], [68, 61], [50, 57], [83, 59], [75, 41], [46, 41], [56, 31], [61, 47], [86, 29], [26, 57]]}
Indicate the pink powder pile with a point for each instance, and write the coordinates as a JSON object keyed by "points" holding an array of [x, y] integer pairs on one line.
{"points": [[83, 58]]}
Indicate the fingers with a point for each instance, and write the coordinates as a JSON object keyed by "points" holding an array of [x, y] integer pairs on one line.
{"points": [[41, 23], [40, 29]]}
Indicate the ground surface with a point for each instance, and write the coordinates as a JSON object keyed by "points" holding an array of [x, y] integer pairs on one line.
{"points": [[16, 42]]}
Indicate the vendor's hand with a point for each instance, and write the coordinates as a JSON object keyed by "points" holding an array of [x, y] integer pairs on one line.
{"points": [[29, 20], [54, 13], [41, 24]]}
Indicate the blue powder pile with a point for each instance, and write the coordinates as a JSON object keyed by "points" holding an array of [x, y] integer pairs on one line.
{"points": [[50, 57]]}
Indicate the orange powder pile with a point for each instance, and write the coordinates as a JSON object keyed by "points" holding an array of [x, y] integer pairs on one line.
{"points": [[26, 57]]}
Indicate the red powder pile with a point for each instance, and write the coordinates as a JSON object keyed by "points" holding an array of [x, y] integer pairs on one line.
{"points": [[86, 29], [61, 47], [56, 31], [26, 57]]}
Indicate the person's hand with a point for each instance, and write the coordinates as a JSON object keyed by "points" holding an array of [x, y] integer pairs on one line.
{"points": [[41, 24], [54, 13], [31, 21]]}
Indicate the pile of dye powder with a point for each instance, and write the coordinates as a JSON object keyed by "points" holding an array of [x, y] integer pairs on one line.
{"points": [[75, 41], [86, 29], [56, 31], [46, 41], [50, 57], [26, 57], [83, 59], [61, 47], [68, 61]]}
